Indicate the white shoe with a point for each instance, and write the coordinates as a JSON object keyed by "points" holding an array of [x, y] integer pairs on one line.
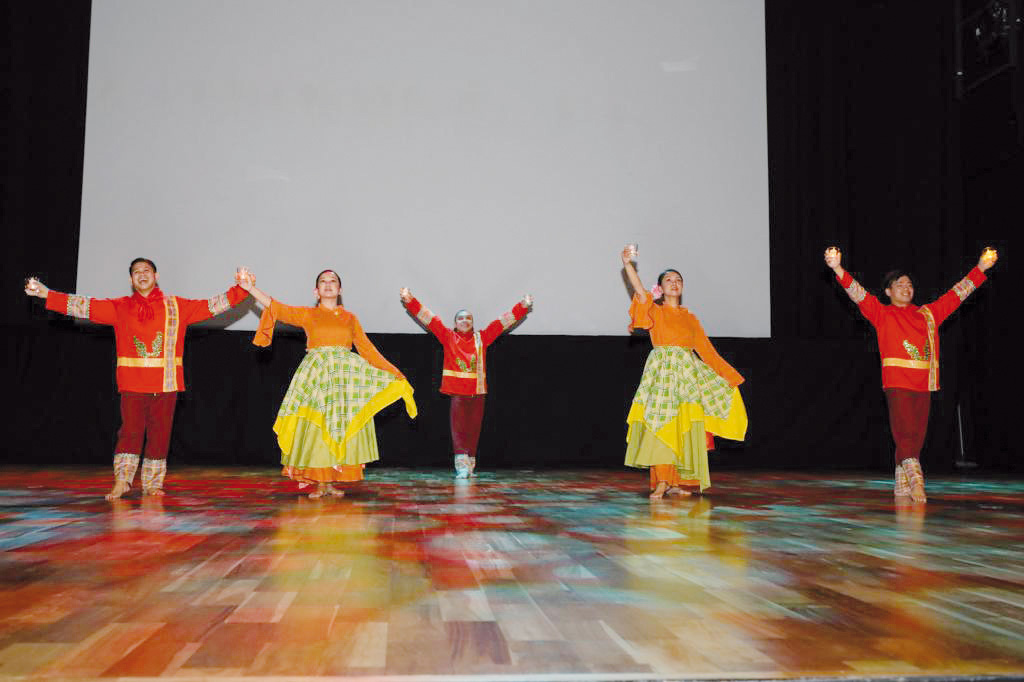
{"points": [[462, 466]]}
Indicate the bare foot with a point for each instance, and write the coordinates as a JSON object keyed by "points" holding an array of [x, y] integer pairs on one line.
{"points": [[917, 493], [154, 492], [659, 492], [676, 491], [319, 492], [120, 488], [334, 492]]}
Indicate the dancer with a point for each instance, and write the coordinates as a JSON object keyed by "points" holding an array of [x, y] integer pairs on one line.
{"points": [[908, 342], [464, 377], [682, 400], [149, 334], [325, 424]]}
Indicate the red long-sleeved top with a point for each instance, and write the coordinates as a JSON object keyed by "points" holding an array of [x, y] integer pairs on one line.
{"points": [[908, 338], [149, 351], [465, 355]]}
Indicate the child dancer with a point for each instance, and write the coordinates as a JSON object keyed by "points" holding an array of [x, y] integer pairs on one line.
{"points": [[464, 377]]}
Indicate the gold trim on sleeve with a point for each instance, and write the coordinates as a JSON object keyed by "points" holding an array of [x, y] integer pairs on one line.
{"points": [[856, 292], [218, 304], [78, 306], [424, 315], [964, 288]]}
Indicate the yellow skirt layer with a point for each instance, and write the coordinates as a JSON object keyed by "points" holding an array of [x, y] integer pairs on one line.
{"points": [[733, 427], [305, 439], [681, 441]]}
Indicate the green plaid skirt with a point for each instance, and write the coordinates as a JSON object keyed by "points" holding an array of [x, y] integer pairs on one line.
{"points": [[674, 376], [329, 390], [679, 400]]}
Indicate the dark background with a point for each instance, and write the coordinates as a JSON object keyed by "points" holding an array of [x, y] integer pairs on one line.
{"points": [[875, 143]]}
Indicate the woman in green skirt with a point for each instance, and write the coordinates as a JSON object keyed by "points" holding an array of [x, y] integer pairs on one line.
{"points": [[686, 394], [325, 424]]}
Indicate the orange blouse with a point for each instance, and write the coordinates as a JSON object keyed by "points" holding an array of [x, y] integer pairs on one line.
{"points": [[677, 326], [323, 327]]}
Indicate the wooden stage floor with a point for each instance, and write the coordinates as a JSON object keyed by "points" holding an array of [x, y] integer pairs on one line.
{"points": [[516, 575]]}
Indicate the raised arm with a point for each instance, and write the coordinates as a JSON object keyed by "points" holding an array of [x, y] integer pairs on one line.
{"points": [[628, 254], [247, 280], [944, 306], [870, 307], [273, 311], [197, 310], [425, 316], [495, 329]]}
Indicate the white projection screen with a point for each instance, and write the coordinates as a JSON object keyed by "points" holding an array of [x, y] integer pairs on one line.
{"points": [[472, 150]]}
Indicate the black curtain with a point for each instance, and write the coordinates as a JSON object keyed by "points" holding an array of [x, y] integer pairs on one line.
{"points": [[863, 154], [45, 58]]}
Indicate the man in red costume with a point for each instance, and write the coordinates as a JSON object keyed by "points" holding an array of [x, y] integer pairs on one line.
{"points": [[149, 332], [464, 376], [908, 342]]}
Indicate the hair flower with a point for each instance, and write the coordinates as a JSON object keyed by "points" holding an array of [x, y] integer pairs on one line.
{"points": [[656, 291]]}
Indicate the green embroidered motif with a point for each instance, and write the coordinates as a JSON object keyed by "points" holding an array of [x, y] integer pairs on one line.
{"points": [[158, 345], [471, 367], [915, 354]]}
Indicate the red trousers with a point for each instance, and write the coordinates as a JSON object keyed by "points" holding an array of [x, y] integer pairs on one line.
{"points": [[908, 419], [146, 416], [466, 417]]}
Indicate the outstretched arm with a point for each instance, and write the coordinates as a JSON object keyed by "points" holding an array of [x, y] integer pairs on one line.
{"points": [[294, 315], [98, 310], [944, 306], [247, 280], [424, 315], [197, 310], [628, 254], [869, 306], [495, 329]]}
